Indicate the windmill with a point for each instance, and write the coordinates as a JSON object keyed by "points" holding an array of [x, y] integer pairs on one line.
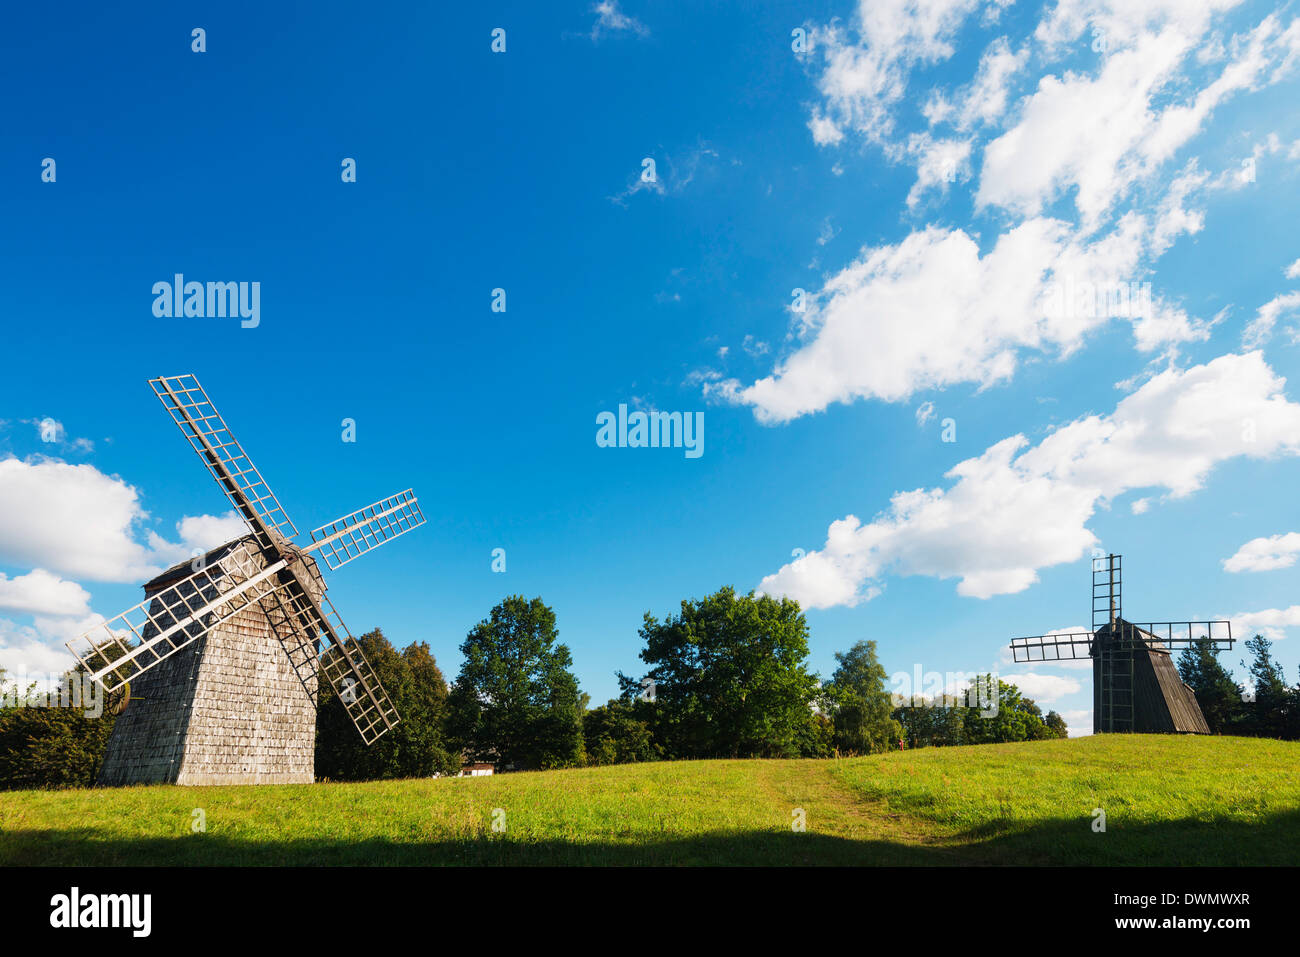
{"points": [[221, 661], [1135, 686]]}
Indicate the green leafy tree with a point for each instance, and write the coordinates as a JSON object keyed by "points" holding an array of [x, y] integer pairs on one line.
{"points": [[516, 701], [1017, 719], [53, 747], [861, 704], [416, 747], [614, 734], [1056, 725], [1216, 692], [729, 678]]}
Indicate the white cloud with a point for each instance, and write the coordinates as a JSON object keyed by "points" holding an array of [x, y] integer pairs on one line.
{"points": [[1293, 270], [40, 593], [1078, 722], [924, 413], [862, 78], [74, 520], [1100, 135], [1260, 329], [1044, 689], [939, 162], [1265, 554], [610, 19], [932, 311], [985, 100], [1271, 622], [1016, 509], [25, 653]]}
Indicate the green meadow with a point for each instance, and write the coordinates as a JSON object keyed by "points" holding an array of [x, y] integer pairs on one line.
{"points": [[1167, 801]]}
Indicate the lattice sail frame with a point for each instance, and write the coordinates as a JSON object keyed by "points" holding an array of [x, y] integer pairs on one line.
{"points": [[1157, 635], [167, 621], [202, 425], [353, 535], [123, 647]]}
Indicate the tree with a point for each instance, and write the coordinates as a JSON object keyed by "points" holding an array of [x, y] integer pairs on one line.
{"points": [[57, 740], [729, 678], [47, 743], [615, 735], [416, 747], [1267, 715], [1217, 694], [1056, 725], [516, 700], [1017, 719], [861, 704]]}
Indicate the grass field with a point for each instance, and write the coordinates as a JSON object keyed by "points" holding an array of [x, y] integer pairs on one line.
{"points": [[1168, 800]]}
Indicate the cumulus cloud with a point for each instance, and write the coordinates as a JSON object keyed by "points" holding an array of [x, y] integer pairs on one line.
{"points": [[1044, 689], [41, 593], [1265, 554], [931, 311], [1271, 622], [76, 521], [1019, 508], [1098, 135], [864, 70]]}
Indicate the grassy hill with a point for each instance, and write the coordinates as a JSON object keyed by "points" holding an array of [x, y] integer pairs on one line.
{"points": [[1168, 800]]}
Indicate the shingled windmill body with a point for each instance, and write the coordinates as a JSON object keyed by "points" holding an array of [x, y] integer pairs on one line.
{"points": [[220, 665], [1135, 685]]}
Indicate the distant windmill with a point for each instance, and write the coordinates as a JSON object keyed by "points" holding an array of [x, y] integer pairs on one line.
{"points": [[220, 662], [1135, 686]]}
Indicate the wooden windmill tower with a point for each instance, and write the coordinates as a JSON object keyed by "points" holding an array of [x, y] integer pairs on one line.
{"points": [[220, 663], [1135, 685]]}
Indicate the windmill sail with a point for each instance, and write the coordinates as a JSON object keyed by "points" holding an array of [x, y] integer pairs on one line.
{"points": [[123, 647], [202, 425], [302, 625], [353, 535], [264, 574]]}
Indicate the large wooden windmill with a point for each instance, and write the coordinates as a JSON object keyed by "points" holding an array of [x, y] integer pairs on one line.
{"points": [[1135, 685], [220, 664]]}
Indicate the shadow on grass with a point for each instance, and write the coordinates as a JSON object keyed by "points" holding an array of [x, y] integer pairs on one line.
{"points": [[1274, 840]]}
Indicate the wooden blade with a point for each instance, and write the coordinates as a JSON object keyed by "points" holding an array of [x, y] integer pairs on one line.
{"points": [[1063, 647], [350, 674], [1171, 635], [117, 650], [301, 623], [353, 535], [210, 437]]}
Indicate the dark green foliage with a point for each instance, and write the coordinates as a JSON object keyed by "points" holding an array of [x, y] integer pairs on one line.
{"points": [[1268, 715], [1056, 725], [1217, 694], [966, 719], [729, 679], [417, 747], [516, 701], [614, 734], [1017, 718], [861, 704], [51, 747]]}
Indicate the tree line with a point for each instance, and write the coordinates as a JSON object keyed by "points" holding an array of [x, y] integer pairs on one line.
{"points": [[725, 677]]}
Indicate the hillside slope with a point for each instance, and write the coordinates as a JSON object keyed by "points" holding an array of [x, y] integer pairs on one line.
{"points": [[1167, 800]]}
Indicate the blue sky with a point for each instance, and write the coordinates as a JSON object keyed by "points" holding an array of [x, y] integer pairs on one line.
{"points": [[930, 174]]}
